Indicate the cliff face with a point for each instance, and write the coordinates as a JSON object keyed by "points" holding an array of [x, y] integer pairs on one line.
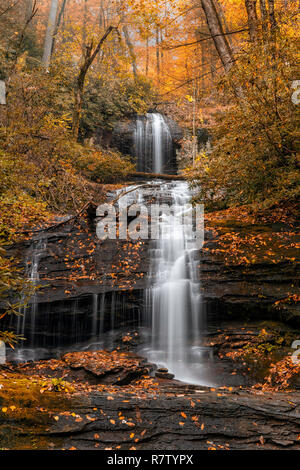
{"points": [[122, 136], [80, 274]]}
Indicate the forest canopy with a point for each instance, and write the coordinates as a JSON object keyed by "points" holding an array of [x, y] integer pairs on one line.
{"points": [[74, 68]]}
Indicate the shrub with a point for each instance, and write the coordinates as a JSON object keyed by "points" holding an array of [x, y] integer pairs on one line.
{"points": [[106, 167]]}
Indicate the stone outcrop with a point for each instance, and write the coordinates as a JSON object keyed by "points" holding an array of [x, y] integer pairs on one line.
{"points": [[149, 414], [77, 270]]}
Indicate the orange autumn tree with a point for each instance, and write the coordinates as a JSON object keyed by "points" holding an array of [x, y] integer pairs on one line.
{"points": [[254, 159]]}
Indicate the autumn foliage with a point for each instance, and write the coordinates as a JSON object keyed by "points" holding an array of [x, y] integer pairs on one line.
{"points": [[254, 158]]}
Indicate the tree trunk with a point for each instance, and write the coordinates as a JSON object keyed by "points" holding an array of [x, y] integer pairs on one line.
{"points": [[147, 57], [264, 16], [88, 59], [216, 30], [131, 51], [60, 16], [157, 56], [220, 10], [272, 14], [252, 19], [29, 8], [85, 12], [50, 34]]}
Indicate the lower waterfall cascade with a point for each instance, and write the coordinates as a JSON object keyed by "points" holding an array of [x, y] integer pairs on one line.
{"points": [[173, 301]]}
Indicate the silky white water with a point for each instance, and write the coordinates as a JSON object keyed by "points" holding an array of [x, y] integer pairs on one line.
{"points": [[28, 313], [173, 302], [153, 143]]}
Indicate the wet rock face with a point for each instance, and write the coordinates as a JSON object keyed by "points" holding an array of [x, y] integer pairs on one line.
{"points": [[175, 130], [246, 269], [82, 276], [204, 138], [122, 137], [88, 286]]}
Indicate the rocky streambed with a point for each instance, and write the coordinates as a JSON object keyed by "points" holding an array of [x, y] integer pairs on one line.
{"points": [[114, 398], [95, 401]]}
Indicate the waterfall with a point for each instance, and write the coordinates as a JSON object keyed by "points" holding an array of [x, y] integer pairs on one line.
{"points": [[153, 144], [173, 300], [28, 313], [95, 315], [32, 272], [159, 130], [173, 303], [139, 143]]}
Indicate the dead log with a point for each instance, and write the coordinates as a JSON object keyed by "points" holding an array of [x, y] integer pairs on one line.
{"points": [[139, 174]]}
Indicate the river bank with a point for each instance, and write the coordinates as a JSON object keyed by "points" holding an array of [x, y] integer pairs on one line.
{"points": [[39, 412]]}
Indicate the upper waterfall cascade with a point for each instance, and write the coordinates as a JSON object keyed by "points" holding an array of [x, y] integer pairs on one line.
{"points": [[153, 144]]}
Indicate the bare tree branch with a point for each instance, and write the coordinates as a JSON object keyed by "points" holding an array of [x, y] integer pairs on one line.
{"points": [[206, 38], [3, 12]]}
